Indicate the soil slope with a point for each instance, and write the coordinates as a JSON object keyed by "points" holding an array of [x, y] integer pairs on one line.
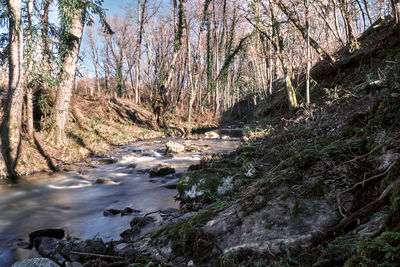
{"points": [[318, 187]]}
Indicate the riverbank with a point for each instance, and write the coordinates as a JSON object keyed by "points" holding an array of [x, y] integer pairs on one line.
{"points": [[95, 127]]}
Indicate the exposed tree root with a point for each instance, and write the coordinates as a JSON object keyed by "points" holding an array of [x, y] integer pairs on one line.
{"points": [[370, 207], [362, 183]]}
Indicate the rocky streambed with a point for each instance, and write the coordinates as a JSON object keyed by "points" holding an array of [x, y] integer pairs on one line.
{"points": [[102, 207]]}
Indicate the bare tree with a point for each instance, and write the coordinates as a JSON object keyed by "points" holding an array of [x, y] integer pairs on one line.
{"points": [[94, 54], [307, 52], [141, 20], [303, 31], [277, 41]]}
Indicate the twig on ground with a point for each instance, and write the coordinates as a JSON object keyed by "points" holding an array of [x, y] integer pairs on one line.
{"points": [[97, 255]]}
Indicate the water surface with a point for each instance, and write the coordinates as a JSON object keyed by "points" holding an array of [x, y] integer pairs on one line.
{"points": [[75, 202]]}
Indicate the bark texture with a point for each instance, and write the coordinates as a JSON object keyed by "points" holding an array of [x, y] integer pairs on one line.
{"points": [[29, 90], [11, 134], [67, 77]]}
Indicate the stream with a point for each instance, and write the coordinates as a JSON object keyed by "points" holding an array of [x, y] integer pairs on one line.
{"points": [[75, 201]]}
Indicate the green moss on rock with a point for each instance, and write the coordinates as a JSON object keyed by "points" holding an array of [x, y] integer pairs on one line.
{"points": [[197, 183]]}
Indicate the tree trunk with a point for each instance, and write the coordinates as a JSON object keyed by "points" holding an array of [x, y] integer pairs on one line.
{"points": [[29, 91], [308, 54], [67, 76], [367, 11], [177, 44], [347, 20], [141, 20], [11, 132], [363, 15], [217, 89], [325, 18], [106, 64], [44, 30], [396, 9], [289, 87], [192, 85], [119, 79]]}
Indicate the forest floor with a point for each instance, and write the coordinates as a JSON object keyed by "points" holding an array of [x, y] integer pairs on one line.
{"points": [[96, 125]]}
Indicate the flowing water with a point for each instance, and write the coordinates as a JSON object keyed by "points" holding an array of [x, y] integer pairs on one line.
{"points": [[75, 202]]}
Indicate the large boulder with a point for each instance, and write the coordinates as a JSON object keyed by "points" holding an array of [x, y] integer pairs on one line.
{"points": [[36, 262], [173, 147], [129, 234], [95, 245], [142, 221], [51, 248], [128, 211]]}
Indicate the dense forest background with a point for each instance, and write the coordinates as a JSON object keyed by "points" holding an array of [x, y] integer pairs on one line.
{"points": [[189, 57]]}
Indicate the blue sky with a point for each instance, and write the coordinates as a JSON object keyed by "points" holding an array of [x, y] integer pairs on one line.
{"points": [[117, 6]]}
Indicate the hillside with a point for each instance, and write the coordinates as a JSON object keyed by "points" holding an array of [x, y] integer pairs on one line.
{"points": [[318, 187]]}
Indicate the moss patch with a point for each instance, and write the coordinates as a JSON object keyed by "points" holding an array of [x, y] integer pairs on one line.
{"points": [[199, 183]]}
